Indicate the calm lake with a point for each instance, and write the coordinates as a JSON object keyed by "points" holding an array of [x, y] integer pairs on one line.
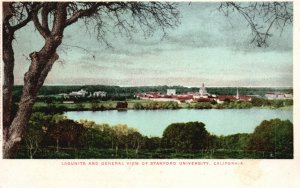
{"points": [[153, 122]]}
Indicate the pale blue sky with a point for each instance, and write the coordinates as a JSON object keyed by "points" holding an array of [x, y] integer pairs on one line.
{"points": [[206, 47]]}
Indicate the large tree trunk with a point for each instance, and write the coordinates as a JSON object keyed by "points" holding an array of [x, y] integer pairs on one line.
{"points": [[8, 81], [40, 66]]}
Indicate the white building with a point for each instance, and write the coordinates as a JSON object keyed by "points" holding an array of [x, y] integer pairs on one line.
{"points": [[288, 96], [202, 91], [277, 95], [198, 96], [81, 93], [99, 94], [271, 96], [171, 91]]}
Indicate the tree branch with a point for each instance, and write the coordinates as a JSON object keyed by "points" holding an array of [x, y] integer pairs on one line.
{"points": [[60, 17], [21, 24], [261, 17], [82, 13], [29, 10], [45, 13], [38, 25]]}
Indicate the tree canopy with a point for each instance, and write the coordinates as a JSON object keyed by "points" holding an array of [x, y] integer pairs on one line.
{"points": [[274, 136], [186, 136]]}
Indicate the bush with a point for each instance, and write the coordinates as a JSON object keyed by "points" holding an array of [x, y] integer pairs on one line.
{"points": [[152, 143], [186, 136], [273, 136], [138, 106], [203, 105], [122, 105]]}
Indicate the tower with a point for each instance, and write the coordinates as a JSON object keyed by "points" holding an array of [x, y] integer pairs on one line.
{"points": [[202, 90], [237, 93]]}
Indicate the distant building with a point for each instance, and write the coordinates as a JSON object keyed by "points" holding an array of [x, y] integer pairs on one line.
{"points": [[270, 96], [223, 98], [278, 95], [185, 98], [202, 91], [76, 94], [245, 98], [288, 96], [99, 94], [201, 96], [171, 91]]}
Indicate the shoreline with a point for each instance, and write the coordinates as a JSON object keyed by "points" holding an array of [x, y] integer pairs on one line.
{"points": [[148, 105]]}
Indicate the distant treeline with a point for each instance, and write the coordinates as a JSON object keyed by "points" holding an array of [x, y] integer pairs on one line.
{"points": [[54, 108], [122, 93], [55, 136]]}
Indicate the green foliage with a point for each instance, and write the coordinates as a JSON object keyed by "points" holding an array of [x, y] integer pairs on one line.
{"points": [[35, 132], [153, 105], [288, 102], [152, 143], [186, 136], [278, 103], [64, 132], [55, 136], [138, 106], [273, 136], [156, 105], [49, 109], [260, 102], [79, 106], [213, 102], [122, 105], [97, 135], [94, 106], [238, 105], [203, 105], [170, 105], [234, 142]]}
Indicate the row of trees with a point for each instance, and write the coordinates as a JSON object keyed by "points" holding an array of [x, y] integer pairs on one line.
{"points": [[274, 103], [154, 105], [256, 102], [273, 136], [56, 133]]}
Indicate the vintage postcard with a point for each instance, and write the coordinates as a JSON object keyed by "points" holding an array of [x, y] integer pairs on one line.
{"points": [[149, 93]]}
